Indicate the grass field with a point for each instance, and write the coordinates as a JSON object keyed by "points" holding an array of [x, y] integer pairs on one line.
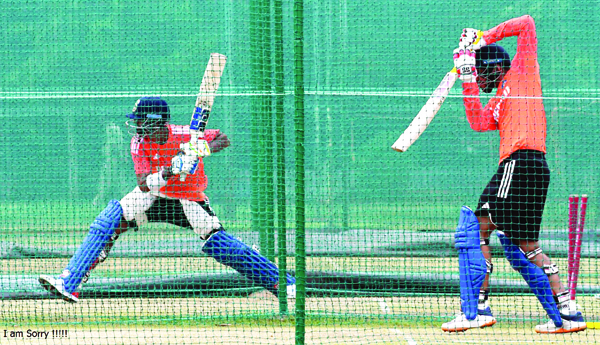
{"points": [[169, 266], [406, 320]]}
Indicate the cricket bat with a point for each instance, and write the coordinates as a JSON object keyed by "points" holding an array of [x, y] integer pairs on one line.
{"points": [[206, 97], [427, 113]]}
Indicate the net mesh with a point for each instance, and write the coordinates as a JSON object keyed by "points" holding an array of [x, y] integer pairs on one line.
{"points": [[377, 252]]}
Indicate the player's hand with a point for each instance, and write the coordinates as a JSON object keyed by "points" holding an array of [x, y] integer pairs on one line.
{"points": [[464, 62], [184, 164], [200, 148], [471, 38], [203, 148]]}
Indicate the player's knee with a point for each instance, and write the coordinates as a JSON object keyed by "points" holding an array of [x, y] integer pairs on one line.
{"points": [[550, 270], [203, 221], [207, 227], [467, 232], [489, 266], [109, 219], [515, 255], [485, 224]]}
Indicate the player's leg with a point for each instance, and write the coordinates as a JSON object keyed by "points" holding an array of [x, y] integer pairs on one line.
{"points": [[533, 275], [483, 217], [473, 270], [114, 220], [521, 203], [122, 228], [135, 204], [100, 233], [486, 228], [572, 319], [231, 251]]}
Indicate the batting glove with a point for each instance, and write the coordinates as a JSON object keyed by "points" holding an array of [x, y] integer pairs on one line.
{"points": [[200, 148], [184, 164], [464, 61], [472, 39]]}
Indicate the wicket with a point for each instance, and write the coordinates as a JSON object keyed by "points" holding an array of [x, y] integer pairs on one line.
{"points": [[576, 225]]}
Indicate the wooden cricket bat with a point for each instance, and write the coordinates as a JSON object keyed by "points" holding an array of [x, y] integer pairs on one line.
{"points": [[427, 113], [206, 97]]}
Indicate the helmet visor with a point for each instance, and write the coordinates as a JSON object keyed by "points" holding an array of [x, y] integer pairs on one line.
{"points": [[144, 127]]}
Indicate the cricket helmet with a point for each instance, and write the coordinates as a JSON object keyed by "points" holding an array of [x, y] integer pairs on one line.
{"points": [[490, 55], [154, 111]]}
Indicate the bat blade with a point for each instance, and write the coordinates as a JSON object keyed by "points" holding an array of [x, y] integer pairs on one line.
{"points": [[426, 114], [205, 99], [207, 94]]}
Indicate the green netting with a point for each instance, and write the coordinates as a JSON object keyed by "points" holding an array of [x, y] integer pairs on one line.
{"points": [[313, 95]]}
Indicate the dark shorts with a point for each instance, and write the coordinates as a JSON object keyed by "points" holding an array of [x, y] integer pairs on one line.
{"points": [[515, 197], [170, 211]]}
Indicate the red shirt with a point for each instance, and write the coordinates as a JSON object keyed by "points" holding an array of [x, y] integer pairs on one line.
{"points": [[150, 158], [516, 110]]}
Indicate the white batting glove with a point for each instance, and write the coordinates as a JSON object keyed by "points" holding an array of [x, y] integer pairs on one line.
{"points": [[200, 148], [471, 38], [184, 164], [464, 61]]}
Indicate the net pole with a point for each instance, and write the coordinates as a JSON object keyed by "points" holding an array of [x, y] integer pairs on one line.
{"points": [[262, 204], [267, 130], [299, 165], [280, 154], [255, 119]]}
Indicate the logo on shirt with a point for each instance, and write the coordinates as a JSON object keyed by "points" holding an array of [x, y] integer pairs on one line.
{"points": [[155, 157], [505, 94]]}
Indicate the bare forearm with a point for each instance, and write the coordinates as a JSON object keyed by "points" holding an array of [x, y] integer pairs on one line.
{"points": [[219, 143]]}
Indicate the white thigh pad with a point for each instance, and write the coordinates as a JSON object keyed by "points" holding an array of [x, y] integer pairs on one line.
{"points": [[135, 204], [202, 223]]}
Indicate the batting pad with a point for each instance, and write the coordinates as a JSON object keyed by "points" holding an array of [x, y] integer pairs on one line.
{"points": [[100, 232], [231, 252], [472, 267], [533, 275]]}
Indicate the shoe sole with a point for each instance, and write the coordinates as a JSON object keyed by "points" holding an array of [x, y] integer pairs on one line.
{"points": [[450, 330], [562, 330], [48, 286]]}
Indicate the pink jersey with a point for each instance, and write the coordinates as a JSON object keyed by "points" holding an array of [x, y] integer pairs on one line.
{"points": [[516, 110], [150, 158]]}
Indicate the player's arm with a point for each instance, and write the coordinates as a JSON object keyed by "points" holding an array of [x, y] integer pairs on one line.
{"points": [[141, 182], [523, 27], [481, 119], [142, 165], [148, 181], [219, 142]]}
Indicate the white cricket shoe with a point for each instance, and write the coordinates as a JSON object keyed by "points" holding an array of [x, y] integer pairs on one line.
{"points": [[573, 322], [483, 319], [56, 286]]}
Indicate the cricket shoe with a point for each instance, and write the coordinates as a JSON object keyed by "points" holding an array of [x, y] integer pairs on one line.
{"points": [[573, 322], [483, 319], [56, 286]]}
